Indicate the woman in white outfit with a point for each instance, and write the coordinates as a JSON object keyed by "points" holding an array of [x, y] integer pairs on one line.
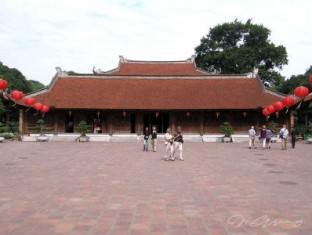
{"points": [[168, 145]]}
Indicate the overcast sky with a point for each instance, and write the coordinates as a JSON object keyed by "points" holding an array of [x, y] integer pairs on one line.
{"points": [[38, 35]]}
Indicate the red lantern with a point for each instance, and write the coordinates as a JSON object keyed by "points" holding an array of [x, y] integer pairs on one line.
{"points": [[3, 84], [265, 112], [37, 106], [301, 91], [270, 109], [29, 101], [288, 101], [45, 108], [278, 106], [17, 95], [310, 79]]}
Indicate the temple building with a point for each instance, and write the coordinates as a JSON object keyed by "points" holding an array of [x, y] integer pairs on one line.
{"points": [[139, 94]]}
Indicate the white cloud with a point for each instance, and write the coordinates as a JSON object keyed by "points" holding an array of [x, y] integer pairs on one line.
{"points": [[36, 35]]}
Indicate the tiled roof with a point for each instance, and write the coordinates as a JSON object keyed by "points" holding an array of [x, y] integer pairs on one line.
{"points": [[170, 85], [157, 68], [113, 92]]}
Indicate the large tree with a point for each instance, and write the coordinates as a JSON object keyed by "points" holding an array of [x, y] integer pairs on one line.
{"points": [[240, 48]]}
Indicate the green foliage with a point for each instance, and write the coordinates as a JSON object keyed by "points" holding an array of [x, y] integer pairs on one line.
{"points": [[226, 129], [35, 85], [239, 48], [273, 126], [15, 79], [301, 129], [83, 127], [7, 136], [11, 127], [40, 125], [288, 86], [3, 128]]}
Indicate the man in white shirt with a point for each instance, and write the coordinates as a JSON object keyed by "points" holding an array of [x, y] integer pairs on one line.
{"points": [[284, 135], [252, 136]]}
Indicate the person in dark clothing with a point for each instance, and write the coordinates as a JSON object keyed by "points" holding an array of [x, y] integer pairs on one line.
{"points": [[154, 138], [178, 143], [146, 136]]}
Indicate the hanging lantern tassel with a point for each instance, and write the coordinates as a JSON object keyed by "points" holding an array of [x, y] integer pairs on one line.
{"points": [[288, 102], [298, 107], [37, 106], [277, 113], [29, 102]]}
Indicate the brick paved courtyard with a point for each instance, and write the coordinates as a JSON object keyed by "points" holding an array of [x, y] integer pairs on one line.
{"points": [[116, 188]]}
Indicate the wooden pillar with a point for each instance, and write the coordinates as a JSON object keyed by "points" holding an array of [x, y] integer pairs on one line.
{"points": [[21, 126], [110, 123], [201, 123], [172, 120], [139, 124], [55, 120], [291, 119]]}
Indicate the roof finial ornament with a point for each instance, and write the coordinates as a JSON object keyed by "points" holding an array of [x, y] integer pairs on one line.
{"points": [[96, 71], [191, 60], [122, 59], [59, 70]]}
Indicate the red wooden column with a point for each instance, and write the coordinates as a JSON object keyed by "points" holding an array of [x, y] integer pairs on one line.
{"points": [[110, 123], [201, 123], [21, 126]]}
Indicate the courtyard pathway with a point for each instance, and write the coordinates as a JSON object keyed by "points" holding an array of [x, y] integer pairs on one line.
{"points": [[116, 188]]}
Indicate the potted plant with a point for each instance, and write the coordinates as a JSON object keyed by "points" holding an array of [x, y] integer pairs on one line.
{"points": [[83, 128], [227, 130], [41, 127]]}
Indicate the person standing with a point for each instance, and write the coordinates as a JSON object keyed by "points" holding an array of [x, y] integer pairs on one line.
{"points": [[269, 135], [263, 136], [154, 138], [168, 145], [252, 137], [146, 136], [178, 143], [293, 137], [284, 136]]}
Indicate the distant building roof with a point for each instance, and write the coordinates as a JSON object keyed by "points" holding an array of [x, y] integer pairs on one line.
{"points": [[156, 86]]}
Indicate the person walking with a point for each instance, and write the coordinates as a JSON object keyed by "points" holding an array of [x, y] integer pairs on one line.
{"points": [[168, 146], [178, 143], [269, 135], [154, 138], [146, 136], [284, 136], [252, 137], [263, 136], [293, 137]]}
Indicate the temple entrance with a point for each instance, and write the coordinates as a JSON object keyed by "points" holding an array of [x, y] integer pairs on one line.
{"points": [[160, 120], [132, 123], [69, 122], [97, 122]]}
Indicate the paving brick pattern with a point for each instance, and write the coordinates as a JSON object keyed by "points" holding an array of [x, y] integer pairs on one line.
{"points": [[116, 188]]}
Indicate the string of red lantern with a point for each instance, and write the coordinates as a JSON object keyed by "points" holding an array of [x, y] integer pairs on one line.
{"points": [[3, 84], [301, 92], [17, 95]]}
